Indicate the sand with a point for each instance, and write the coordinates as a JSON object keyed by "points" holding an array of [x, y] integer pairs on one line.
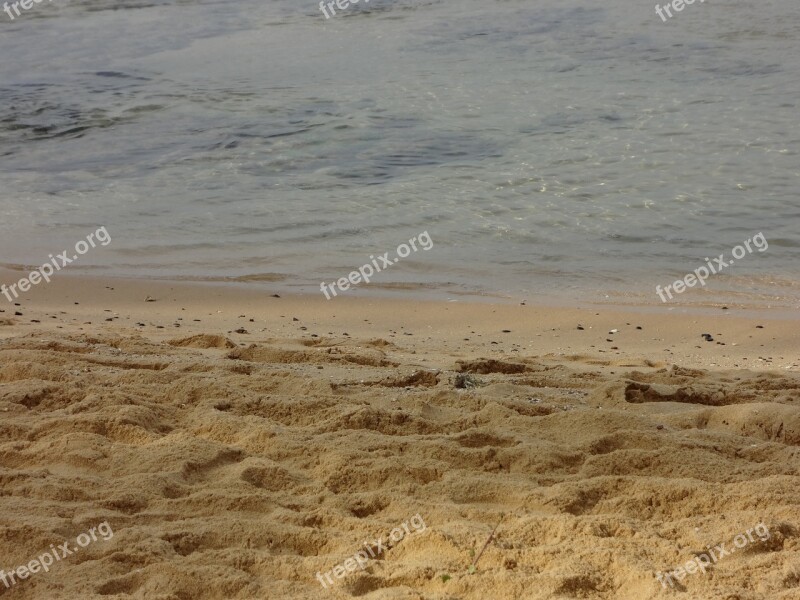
{"points": [[238, 444]]}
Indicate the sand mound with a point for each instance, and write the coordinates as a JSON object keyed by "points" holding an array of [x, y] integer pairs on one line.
{"points": [[203, 341]]}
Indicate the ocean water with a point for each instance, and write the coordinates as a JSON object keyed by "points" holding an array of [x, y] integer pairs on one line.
{"points": [[548, 147]]}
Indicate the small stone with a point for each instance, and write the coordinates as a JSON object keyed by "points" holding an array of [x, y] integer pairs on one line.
{"points": [[149, 299]]}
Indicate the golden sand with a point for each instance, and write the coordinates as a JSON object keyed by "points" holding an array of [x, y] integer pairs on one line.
{"points": [[238, 444]]}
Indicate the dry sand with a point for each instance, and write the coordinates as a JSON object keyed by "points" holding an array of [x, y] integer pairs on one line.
{"points": [[237, 444]]}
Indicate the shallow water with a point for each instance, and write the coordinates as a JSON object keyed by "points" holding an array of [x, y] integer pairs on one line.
{"points": [[548, 148]]}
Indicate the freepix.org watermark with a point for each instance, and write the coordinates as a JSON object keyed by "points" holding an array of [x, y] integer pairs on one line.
{"points": [[677, 5], [25, 4], [362, 557], [702, 273], [56, 553], [365, 272], [704, 560], [342, 4], [46, 270]]}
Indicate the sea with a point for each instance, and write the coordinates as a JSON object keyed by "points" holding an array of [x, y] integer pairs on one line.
{"points": [[551, 149]]}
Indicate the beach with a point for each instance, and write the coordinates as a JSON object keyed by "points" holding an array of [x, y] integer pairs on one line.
{"points": [[399, 299], [244, 444]]}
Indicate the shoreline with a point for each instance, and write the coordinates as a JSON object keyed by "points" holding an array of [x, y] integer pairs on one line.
{"points": [[76, 303], [779, 295]]}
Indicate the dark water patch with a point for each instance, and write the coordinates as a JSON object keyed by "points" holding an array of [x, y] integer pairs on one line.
{"points": [[117, 5], [120, 75], [377, 163], [742, 69], [390, 9]]}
